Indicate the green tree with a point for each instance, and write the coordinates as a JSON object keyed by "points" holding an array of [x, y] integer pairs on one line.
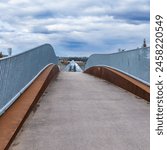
{"points": [[1, 55]]}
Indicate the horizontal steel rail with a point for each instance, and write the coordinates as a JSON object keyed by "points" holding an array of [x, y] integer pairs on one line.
{"points": [[122, 80], [19, 71], [134, 77]]}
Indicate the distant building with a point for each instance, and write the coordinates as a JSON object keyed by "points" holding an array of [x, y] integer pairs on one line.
{"points": [[144, 43]]}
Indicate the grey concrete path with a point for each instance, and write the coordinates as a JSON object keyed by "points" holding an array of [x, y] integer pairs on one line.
{"points": [[81, 112]]}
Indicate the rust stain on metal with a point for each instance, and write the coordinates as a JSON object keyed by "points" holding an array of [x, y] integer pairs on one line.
{"points": [[122, 80], [12, 120]]}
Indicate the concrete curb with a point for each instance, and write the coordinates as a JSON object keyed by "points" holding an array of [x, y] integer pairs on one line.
{"points": [[12, 120]]}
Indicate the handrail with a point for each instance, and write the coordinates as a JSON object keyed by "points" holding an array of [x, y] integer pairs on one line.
{"points": [[128, 74], [121, 79]]}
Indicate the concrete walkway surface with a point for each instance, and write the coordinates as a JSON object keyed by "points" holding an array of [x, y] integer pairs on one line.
{"points": [[82, 112]]}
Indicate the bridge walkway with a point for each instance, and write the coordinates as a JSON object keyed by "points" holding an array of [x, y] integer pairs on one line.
{"points": [[82, 112]]}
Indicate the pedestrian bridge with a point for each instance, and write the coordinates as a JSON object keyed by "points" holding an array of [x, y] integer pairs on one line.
{"points": [[103, 107]]}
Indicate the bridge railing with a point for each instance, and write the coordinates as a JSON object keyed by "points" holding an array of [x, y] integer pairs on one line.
{"points": [[135, 63], [121, 79], [19, 71]]}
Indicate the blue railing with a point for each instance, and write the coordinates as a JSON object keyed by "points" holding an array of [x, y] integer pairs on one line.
{"points": [[18, 72], [135, 63]]}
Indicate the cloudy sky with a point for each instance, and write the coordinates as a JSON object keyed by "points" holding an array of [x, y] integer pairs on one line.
{"points": [[74, 27]]}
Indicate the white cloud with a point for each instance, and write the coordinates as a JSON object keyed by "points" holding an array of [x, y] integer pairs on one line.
{"points": [[96, 26]]}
